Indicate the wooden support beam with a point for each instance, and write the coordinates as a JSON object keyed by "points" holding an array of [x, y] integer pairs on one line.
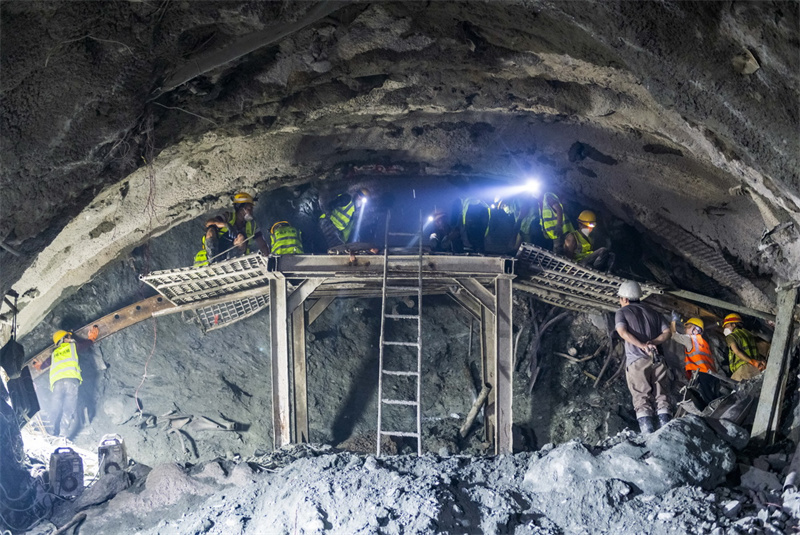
{"points": [[279, 342], [504, 380], [318, 308], [489, 370], [109, 324], [767, 414], [301, 293], [479, 292], [730, 307], [299, 383]]}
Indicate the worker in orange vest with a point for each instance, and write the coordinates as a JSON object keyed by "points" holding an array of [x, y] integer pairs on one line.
{"points": [[698, 359]]}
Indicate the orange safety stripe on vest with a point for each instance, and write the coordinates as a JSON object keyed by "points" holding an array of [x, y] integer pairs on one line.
{"points": [[699, 357]]}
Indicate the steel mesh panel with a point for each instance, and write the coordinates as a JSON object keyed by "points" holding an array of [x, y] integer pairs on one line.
{"points": [[223, 314], [190, 284], [560, 282]]}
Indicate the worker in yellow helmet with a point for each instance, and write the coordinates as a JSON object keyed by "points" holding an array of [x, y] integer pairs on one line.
{"points": [[285, 239], [743, 357], [230, 230], [65, 379], [339, 219], [579, 245], [699, 361]]}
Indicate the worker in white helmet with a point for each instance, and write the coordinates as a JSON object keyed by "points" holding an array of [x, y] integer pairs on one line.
{"points": [[643, 331]]}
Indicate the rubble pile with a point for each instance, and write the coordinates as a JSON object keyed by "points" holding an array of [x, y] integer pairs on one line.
{"points": [[665, 483]]}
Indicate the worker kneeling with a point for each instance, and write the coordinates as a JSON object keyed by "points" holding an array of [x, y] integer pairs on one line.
{"points": [[743, 357], [698, 359], [285, 239], [579, 245], [232, 232]]}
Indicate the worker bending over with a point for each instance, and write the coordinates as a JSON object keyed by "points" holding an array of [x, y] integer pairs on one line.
{"points": [[579, 245], [698, 358], [475, 219], [230, 230], [643, 331], [743, 357], [285, 239], [338, 221], [445, 238]]}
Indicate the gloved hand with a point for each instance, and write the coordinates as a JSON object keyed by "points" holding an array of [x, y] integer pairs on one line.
{"points": [[759, 364], [94, 332], [675, 317]]}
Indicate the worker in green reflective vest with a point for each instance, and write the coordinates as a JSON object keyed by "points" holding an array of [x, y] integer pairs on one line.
{"points": [[338, 222], [285, 239], [65, 379], [554, 222], [579, 245], [232, 233]]}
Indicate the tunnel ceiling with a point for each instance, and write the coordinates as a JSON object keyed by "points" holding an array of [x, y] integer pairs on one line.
{"points": [[123, 119]]}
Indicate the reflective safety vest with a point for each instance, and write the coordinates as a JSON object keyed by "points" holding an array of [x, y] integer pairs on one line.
{"points": [[286, 240], [585, 245], [201, 258], [549, 218], [746, 343], [466, 203], [342, 218], [699, 357], [64, 364]]}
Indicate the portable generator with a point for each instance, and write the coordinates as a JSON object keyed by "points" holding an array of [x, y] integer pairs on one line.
{"points": [[111, 454], [66, 473]]}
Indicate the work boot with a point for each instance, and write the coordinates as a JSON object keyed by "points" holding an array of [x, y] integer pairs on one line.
{"points": [[646, 425], [663, 419]]}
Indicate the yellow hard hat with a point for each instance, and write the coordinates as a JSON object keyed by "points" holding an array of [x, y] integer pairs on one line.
{"points": [[278, 225], [587, 218], [243, 198], [697, 322], [732, 318], [58, 335]]}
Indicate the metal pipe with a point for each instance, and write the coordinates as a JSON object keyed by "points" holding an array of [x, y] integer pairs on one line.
{"points": [[691, 296], [473, 412]]}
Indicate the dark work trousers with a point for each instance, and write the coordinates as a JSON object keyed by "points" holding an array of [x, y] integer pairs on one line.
{"points": [[708, 386], [333, 236], [64, 418], [601, 260], [475, 223]]}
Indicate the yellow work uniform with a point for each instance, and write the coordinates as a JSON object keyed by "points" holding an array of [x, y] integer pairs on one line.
{"points": [[286, 240], [64, 364]]}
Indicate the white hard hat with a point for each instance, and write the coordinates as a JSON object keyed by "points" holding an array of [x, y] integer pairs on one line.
{"points": [[630, 290]]}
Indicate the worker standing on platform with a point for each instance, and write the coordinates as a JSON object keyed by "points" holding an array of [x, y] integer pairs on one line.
{"points": [[698, 358], [643, 331], [555, 224], [65, 379], [285, 239], [232, 229], [339, 220], [475, 219], [579, 245], [743, 357]]}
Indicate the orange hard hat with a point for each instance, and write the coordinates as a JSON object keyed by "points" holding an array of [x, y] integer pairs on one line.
{"points": [[732, 318]]}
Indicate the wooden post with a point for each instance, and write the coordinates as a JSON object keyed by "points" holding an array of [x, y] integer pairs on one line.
{"points": [[300, 385], [504, 383], [279, 342], [767, 414]]}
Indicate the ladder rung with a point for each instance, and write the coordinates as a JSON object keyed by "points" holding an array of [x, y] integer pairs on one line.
{"points": [[398, 402], [397, 372], [402, 316], [399, 434], [412, 344]]}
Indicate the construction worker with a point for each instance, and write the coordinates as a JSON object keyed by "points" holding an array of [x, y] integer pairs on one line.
{"points": [[501, 232], [285, 239], [579, 245], [475, 219], [698, 359], [338, 222], [643, 331], [232, 229], [743, 357], [554, 222], [65, 379], [445, 238]]}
